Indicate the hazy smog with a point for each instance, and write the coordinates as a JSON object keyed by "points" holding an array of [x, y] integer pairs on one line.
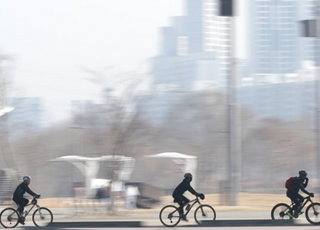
{"points": [[110, 103]]}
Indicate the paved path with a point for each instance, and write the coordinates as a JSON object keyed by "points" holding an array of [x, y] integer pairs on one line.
{"points": [[149, 217]]}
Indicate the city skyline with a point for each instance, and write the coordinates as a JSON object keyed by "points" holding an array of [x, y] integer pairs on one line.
{"points": [[48, 80], [53, 43]]}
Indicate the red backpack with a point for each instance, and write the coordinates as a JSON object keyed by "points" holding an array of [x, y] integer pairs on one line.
{"points": [[289, 183]]}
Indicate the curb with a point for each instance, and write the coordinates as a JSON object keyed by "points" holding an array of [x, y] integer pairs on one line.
{"points": [[244, 223], [139, 224], [95, 224]]}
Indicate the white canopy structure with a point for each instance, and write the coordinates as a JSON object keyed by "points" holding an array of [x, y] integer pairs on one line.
{"points": [[189, 162], [89, 167], [5, 110]]}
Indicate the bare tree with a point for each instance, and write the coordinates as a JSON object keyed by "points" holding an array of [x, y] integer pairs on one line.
{"points": [[115, 126]]}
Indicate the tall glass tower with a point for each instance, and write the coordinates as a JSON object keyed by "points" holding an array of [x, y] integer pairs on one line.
{"points": [[209, 32], [307, 11], [274, 36]]}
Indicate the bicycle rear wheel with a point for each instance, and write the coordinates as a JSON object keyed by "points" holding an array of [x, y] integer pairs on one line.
{"points": [[204, 212], [169, 216], [9, 218], [42, 217], [313, 213], [281, 211]]}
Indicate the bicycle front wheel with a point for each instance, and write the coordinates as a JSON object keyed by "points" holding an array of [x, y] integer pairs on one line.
{"points": [[42, 217], [313, 213], [281, 211], [9, 218], [169, 216], [204, 212]]}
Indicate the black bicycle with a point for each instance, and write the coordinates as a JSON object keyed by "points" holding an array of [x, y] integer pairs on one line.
{"points": [[9, 217], [170, 217], [285, 211]]}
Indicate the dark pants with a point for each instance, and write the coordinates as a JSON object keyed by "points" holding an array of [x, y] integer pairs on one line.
{"points": [[296, 198], [181, 200], [21, 202]]}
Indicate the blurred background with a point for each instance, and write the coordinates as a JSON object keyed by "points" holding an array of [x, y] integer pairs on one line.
{"points": [[131, 94]]}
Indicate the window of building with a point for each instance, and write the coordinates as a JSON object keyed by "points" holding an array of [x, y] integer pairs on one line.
{"points": [[182, 45]]}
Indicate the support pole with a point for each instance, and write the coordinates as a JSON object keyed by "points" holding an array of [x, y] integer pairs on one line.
{"points": [[227, 8], [317, 91]]}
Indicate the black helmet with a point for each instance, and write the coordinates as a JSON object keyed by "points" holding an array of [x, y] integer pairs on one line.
{"points": [[303, 173], [188, 176]]}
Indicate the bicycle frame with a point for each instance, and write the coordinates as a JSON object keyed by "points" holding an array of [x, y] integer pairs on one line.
{"points": [[312, 210], [170, 214], [34, 202], [10, 217], [192, 202], [306, 200]]}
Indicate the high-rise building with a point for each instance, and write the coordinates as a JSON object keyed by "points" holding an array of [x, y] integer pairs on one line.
{"points": [[194, 42], [308, 50], [217, 37], [274, 36], [26, 118], [197, 53]]}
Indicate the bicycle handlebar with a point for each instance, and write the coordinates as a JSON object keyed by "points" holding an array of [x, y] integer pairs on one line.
{"points": [[197, 199], [308, 197], [35, 199]]}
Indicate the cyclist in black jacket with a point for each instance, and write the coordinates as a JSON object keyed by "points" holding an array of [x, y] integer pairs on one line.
{"points": [[301, 182], [18, 195], [180, 198]]}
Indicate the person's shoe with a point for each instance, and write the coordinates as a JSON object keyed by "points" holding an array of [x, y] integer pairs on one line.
{"points": [[184, 218], [21, 220], [295, 213], [188, 207]]}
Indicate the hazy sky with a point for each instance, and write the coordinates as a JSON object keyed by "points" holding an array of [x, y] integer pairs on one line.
{"points": [[52, 41]]}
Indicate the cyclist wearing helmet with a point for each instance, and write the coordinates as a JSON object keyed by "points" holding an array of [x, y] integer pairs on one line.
{"points": [[18, 198], [301, 182], [180, 198]]}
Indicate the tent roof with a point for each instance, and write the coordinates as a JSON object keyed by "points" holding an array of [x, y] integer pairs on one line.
{"points": [[71, 158], [74, 158], [171, 155]]}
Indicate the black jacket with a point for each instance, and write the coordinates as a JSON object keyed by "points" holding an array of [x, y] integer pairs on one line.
{"points": [[182, 187], [21, 190], [298, 184]]}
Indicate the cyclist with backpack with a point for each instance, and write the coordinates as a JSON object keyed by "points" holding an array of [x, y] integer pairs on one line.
{"points": [[180, 198], [293, 186]]}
